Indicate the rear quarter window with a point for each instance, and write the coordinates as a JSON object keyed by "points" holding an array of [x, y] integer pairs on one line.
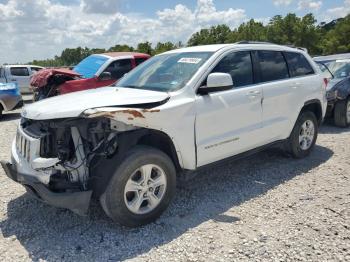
{"points": [[35, 69], [298, 64], [19, 71], [140, 60], [272, 65]]}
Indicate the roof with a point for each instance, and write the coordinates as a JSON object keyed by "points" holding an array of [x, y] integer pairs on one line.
{"points": [[217, 47], [120, 54]]}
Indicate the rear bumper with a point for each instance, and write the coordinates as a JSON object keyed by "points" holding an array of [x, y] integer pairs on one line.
{"points": [[77, 202], [11, 101], [19, 105]]}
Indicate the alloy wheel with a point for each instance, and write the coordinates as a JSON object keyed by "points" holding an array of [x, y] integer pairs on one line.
{"points": [[306, 135], [145, 189]]}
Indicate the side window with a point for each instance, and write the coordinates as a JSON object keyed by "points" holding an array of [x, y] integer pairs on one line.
{"points": [[298, 64], [119, 68], [2, 72], [239, 66], [140, 60], [19, 71], [325, 71], [273, 66], [35, 69]]}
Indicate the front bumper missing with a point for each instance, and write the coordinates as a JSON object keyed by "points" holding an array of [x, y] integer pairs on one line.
{"points": [[78, 202]]}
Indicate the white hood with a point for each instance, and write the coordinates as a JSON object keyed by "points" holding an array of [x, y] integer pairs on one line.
{"points": [[72, 105]]}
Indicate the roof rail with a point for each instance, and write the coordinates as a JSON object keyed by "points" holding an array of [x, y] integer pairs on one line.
{"points": [[297, 47], [269, 43], [254, 42]]}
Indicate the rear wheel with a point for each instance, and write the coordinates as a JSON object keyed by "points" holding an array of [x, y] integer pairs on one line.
{"points": [[342, 113], [1, 111], [304, 135], [141, 187]]}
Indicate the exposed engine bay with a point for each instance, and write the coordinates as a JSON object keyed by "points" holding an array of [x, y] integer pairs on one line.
{"points": [[46, 82], [70, 148]]}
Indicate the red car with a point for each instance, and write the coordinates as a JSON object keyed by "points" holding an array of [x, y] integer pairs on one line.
{"points": [[94, 71]]}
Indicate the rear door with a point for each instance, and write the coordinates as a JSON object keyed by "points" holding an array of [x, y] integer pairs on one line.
{"points": [[21, 76], [279, 94], [229, 122]]}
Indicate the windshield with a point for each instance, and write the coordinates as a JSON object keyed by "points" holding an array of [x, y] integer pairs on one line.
{"points": [[339, 68], [168, 72], [89, 66]]}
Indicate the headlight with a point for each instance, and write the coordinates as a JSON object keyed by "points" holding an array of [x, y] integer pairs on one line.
{"points": [[332, 94], [8, 86]]}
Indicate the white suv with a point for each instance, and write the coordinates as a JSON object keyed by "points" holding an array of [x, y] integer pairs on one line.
{"points": [[177, 112]]}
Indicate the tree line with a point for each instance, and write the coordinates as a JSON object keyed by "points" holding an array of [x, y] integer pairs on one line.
{"points": [[319, 39]]}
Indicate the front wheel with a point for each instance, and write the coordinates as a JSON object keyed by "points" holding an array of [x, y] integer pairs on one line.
{"points": [[303, 137], [39, 95], [342, 113], [141, 187]]}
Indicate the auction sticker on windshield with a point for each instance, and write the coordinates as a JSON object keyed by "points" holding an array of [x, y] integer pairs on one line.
{"points": [[190, 60]]}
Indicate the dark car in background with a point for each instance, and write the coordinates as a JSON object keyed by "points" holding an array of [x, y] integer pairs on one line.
{"points": [[10, 97], [336, 69]]}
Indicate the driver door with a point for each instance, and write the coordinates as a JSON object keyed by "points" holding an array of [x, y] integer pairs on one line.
{"points": [[117, 69], [229, 122]]}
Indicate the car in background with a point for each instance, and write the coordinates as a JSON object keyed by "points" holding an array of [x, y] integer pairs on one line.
{"points": [[19, 74], [94, 71], [10, 97], [337, 70]]}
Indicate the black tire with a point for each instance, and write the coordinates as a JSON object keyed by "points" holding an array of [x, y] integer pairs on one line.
{"points": [[112, 201], [293, 146], [1, 111], [340, 113], [35, 97], [38, 95]]}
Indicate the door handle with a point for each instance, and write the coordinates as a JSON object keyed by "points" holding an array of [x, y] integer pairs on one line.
{"points": [[253, 93], [296, 85]]}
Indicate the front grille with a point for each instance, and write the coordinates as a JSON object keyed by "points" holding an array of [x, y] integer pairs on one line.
{"points": [[27, 147], [23, 145]]}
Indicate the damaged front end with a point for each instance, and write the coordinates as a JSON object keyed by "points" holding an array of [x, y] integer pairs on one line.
{"points": [[53, 159], [46, 82]]}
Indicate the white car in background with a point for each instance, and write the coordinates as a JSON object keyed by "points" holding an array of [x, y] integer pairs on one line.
{"points": [[19, 74]]}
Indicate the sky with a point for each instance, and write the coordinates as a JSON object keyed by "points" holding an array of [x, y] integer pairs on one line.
{"points": [[40, 29]]}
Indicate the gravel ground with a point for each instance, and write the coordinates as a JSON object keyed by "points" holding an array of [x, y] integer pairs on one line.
{"points": [[267, 207]]}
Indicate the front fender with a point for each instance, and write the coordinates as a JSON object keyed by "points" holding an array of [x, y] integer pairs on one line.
{"points": [[342, 89]]}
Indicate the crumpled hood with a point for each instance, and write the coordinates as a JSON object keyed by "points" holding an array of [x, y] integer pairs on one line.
{"points": [[73, 104], [40, 79]]}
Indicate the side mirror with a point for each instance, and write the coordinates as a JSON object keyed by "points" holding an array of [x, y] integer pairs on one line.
{"points": [[217, 82], [104, 76]]}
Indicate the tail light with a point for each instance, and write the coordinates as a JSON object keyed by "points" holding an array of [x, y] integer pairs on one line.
{"points": [[326, 81]]}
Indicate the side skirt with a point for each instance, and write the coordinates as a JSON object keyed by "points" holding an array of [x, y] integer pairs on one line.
{"points": [[189, 174]]}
